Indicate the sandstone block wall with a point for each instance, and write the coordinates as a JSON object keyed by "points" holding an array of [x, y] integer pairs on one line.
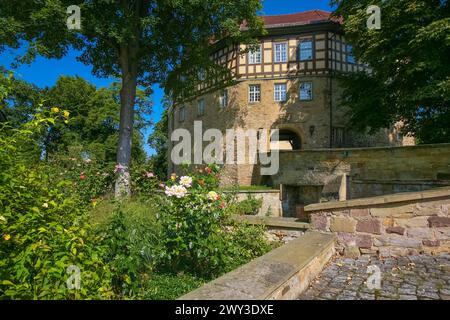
{"points": [[308, 120], [396, 225], [271, 205], [367, 172]]}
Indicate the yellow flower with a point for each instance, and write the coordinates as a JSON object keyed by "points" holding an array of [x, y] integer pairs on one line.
{"points": [[54, 110], [213, 195], [173, 176], [6, 237], [66, 114], [45, 205]]}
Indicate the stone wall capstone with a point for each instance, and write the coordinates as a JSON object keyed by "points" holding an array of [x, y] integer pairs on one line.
{"points": [[395, 225], [368, 172]]}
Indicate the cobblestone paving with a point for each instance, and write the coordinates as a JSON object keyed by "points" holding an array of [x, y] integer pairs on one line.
{"points": [[421, 277]]}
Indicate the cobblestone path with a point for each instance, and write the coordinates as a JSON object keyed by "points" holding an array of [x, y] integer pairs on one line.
{"points": [[421, 277]]}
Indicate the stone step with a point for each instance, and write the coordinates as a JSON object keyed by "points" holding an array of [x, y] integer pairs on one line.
{"points": [[283, 273], [274, 222]]}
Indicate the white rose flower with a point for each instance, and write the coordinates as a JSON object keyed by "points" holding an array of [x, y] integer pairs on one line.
{"points": [[179, 191], [176, 191], [186, 181]]}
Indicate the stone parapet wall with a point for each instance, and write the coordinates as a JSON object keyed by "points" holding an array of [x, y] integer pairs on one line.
{"points": [[367, 172], [395, 225], [282, 274], [271, 205]]}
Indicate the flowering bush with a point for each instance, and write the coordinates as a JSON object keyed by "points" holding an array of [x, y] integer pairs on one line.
{"points": [[197, 232], [144, 180], [43, 231], [90, 179]]}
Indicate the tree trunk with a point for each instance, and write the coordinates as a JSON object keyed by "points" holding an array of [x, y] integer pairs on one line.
{"points": [[127, 101], [128, 59]]}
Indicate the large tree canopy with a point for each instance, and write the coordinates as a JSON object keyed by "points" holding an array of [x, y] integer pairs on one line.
{"points": [[410, 61], [93, 129], [139, 41], [94, 119]]}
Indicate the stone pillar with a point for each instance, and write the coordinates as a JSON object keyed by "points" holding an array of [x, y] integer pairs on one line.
{"points": [[343, 189]]}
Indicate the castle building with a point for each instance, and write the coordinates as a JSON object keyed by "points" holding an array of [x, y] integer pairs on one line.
{"points": [[288, 83]]}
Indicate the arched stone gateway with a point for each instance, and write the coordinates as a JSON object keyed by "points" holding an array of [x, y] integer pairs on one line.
{"points": [[288, 140]]}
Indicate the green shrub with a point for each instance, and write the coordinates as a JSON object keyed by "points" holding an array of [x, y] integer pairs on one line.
{"points": [[166, 286], [144, 180], [197, 230], [249, 206], [131, 233], [89, 178], [44, 231], [245, 243]]}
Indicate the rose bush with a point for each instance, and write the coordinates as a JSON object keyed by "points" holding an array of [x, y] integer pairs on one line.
{"points": [[198, 234]]}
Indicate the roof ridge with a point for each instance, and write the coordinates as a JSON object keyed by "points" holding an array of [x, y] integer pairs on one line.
{"points": [[299, 12]]}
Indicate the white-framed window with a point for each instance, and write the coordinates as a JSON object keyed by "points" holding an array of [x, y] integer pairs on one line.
{"points": [[254, 57], [280, 92], [182, 114], [223, 98], [306, 93], [349, 52], [280, 52], [201, 107], [305, 50], [254, 93]]}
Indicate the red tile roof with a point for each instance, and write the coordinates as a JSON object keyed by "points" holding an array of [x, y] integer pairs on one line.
{"points": [[300, 18]]}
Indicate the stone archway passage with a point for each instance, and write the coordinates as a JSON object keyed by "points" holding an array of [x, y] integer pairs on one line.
{"points": [[289, 140]]}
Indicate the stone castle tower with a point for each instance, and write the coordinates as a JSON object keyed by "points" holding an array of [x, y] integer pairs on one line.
{"points": [[289, 83]]}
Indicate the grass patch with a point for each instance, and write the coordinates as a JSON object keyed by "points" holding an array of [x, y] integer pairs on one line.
{"points": [[138, 207], [248, 188], [170, 286]]}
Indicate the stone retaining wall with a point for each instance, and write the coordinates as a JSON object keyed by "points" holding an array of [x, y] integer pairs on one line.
{"points": [[271, 205], [283, 273], [394, 225], [365, 172]]}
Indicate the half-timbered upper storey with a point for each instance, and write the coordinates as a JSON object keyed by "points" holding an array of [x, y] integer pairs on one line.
{"points": [[305, 43]]}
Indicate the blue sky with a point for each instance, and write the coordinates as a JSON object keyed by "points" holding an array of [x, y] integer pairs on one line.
{"points": [[44, 72]]}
